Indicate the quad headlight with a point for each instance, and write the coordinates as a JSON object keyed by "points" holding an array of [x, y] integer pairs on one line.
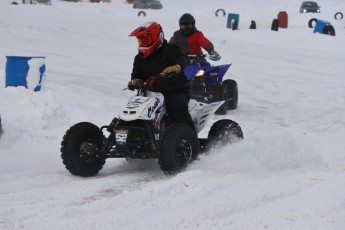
{"points": [[200, 73]]}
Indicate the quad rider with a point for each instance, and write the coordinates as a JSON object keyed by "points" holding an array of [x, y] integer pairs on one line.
{"points": [[157, 57], [190, 40]]}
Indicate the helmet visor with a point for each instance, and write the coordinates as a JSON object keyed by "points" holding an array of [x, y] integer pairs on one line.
{"points": [[188, 26], [144, 41]]}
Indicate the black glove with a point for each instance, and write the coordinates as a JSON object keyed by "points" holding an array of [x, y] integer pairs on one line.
{"points": [[135, 83]]}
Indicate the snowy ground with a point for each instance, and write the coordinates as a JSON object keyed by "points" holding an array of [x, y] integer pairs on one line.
{"points": [[288, 173]]}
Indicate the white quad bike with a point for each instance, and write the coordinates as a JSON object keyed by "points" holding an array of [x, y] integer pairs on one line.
{"points": [[142, 131]]}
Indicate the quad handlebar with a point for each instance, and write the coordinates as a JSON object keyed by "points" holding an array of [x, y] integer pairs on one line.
{"points": [[140, 85]]}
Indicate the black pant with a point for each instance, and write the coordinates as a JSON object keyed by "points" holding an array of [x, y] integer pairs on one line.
{"points": [[177, 107]]}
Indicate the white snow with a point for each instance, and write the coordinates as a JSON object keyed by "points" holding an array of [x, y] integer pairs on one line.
{"points": [[34, 74], [287, 173]]}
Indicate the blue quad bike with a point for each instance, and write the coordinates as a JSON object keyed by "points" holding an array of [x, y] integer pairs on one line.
{"points": [[207, 84]]}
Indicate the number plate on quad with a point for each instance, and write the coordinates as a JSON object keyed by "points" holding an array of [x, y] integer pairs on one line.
{"points": [[121, 136]]}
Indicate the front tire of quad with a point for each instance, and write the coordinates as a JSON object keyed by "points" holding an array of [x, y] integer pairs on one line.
{"points": [[80, 148], [222, 110], [179, 147], [224, 132], [232, 87]]}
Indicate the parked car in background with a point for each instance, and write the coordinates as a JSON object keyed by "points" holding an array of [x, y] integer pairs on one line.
{"points": [[309, 6], [47, 2], [71, 0], [147, 4], [98, 1], [91, 1]]}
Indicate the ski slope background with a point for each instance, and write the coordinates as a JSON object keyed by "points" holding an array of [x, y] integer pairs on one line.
{"points": [[288, 172]]}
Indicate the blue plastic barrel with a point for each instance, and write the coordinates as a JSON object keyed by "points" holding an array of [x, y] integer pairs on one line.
{"points": [[25, 71], [320, 24], [233, 21]]}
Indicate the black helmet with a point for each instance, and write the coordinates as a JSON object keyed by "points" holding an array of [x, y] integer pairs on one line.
{"points": [[187, 24]]}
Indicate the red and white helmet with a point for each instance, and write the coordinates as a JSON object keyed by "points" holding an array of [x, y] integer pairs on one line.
{"points": [[150, 36]]}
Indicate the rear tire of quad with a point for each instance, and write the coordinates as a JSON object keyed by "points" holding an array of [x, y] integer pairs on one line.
{"points": [[179, 147], [79, 149], [222, 110], [231, 85], [224, 132]]}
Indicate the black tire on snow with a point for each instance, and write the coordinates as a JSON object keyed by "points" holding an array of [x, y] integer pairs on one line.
{"points": [[79, 149], [234, 25], [311, 22], [220, 10], [329, 30], [179, 147], [232, 88], [141, 13], [222, 95], [336, 15], [275, 25], [224, 132], [252, 25]]}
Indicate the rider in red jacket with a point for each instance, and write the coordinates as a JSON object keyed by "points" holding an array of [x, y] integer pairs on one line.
{"points": [[190, 40]]}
